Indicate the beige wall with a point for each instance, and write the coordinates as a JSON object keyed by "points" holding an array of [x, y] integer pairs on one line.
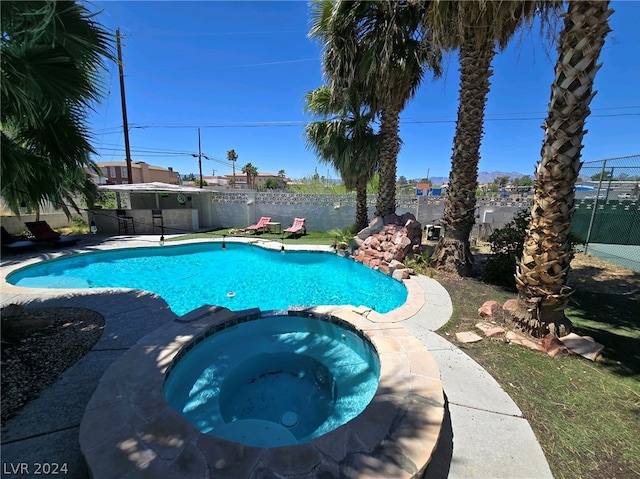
{"points": [[141, 172]]}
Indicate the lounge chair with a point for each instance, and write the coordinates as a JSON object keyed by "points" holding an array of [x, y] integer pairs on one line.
{"points": [[42, 233], [296, 227], [260, 225], [13, 244]]}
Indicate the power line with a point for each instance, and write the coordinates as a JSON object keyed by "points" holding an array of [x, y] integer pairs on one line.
{"points": [[406, 120]]}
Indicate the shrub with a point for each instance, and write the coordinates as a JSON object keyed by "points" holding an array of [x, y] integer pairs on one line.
{"points": [[343, 237], [507, 244], [420, 262], [506, 247]]}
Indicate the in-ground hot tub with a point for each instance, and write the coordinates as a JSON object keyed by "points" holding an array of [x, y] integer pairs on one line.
{"points": [[279, 381], [129, 429]]}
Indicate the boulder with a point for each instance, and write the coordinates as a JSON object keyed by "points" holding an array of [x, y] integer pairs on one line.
{"points": [[553, 346], [510, 305], [489, 309], [401, 273], [387, 240], [394, 264]]}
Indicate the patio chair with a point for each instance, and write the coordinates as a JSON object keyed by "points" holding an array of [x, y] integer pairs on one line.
{"points": [[42, 233], [296, 227], [125, 222], [260, 225], [13, 244]]}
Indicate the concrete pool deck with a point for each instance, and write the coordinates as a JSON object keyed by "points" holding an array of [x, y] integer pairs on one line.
{"points": [[483, 434]]}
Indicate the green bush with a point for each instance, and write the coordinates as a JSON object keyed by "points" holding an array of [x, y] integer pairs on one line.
{"points": [[506, 247], [342, 237], [507, 244], [420, 263]]}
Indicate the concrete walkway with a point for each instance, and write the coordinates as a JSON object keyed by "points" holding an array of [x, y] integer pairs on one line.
{"points": [[484, 434]]}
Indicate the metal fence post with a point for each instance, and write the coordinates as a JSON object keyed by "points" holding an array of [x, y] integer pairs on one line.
{"points": [[595, 205]]}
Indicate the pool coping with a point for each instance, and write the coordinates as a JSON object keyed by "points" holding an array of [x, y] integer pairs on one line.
{"points": [[129, 430]]}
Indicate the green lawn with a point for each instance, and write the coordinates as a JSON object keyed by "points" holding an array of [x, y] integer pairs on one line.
{"points": [[312, 237], [585, 415]]}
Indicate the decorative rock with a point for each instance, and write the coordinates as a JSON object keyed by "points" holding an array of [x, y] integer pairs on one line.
{"points": [[468, 337], [388, 240], [400, 274], [553, 346], [510, 305], [394, 264], [516, 338], [489, 309], [490, 330], [585, 346]]}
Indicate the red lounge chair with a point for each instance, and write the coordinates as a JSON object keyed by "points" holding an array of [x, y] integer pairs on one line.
{"points": [[260, 225], [42, 232], [296, 227]]}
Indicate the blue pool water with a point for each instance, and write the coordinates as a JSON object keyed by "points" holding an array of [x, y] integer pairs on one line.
{"points": [[274, 381], [240, 277]]}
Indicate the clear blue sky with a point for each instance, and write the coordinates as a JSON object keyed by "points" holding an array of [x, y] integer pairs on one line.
{"points": [[240, 70]]}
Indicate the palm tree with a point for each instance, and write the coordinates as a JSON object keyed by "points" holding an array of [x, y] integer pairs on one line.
{"points": [[232, 156], [376, 47], [251, 172], [347, 141], [478, 29], [541, 273], [52, 54]]}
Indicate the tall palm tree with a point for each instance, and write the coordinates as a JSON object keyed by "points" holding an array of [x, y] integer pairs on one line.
{"points": [[347, 141], [541, 273], [251, 172], [478, 29], [52, 56], [232, 156], [376, 47]]}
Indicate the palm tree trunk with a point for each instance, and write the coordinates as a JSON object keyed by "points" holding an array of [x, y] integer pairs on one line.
{"points": [[362, 215], [541, 274], [453, 252], [389, 127]]}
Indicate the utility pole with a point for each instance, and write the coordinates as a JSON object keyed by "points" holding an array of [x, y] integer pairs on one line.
{"points": [[200, 157], [125, 123]]}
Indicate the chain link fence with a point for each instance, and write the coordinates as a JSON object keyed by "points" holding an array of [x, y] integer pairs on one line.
{"points": [[607, 208]]}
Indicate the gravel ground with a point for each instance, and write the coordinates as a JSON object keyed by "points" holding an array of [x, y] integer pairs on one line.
{"points": [[39, 344]]}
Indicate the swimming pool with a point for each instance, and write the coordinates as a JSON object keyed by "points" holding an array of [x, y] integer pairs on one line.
{"points": [[239, 277]]}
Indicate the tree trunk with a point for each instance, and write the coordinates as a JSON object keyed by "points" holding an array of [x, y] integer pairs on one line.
{"points": [[453, 252], [541, 273], [386, 203], [362, 215]]}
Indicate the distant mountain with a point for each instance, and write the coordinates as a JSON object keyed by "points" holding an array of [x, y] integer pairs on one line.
{"points": [[486, 177]]}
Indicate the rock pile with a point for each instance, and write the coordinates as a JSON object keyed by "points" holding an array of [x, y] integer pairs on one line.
{"points": [[385, 243]]}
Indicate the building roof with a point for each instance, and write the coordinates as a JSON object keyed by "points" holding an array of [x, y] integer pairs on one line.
{"points": [[134, 164], [155, 187]]}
